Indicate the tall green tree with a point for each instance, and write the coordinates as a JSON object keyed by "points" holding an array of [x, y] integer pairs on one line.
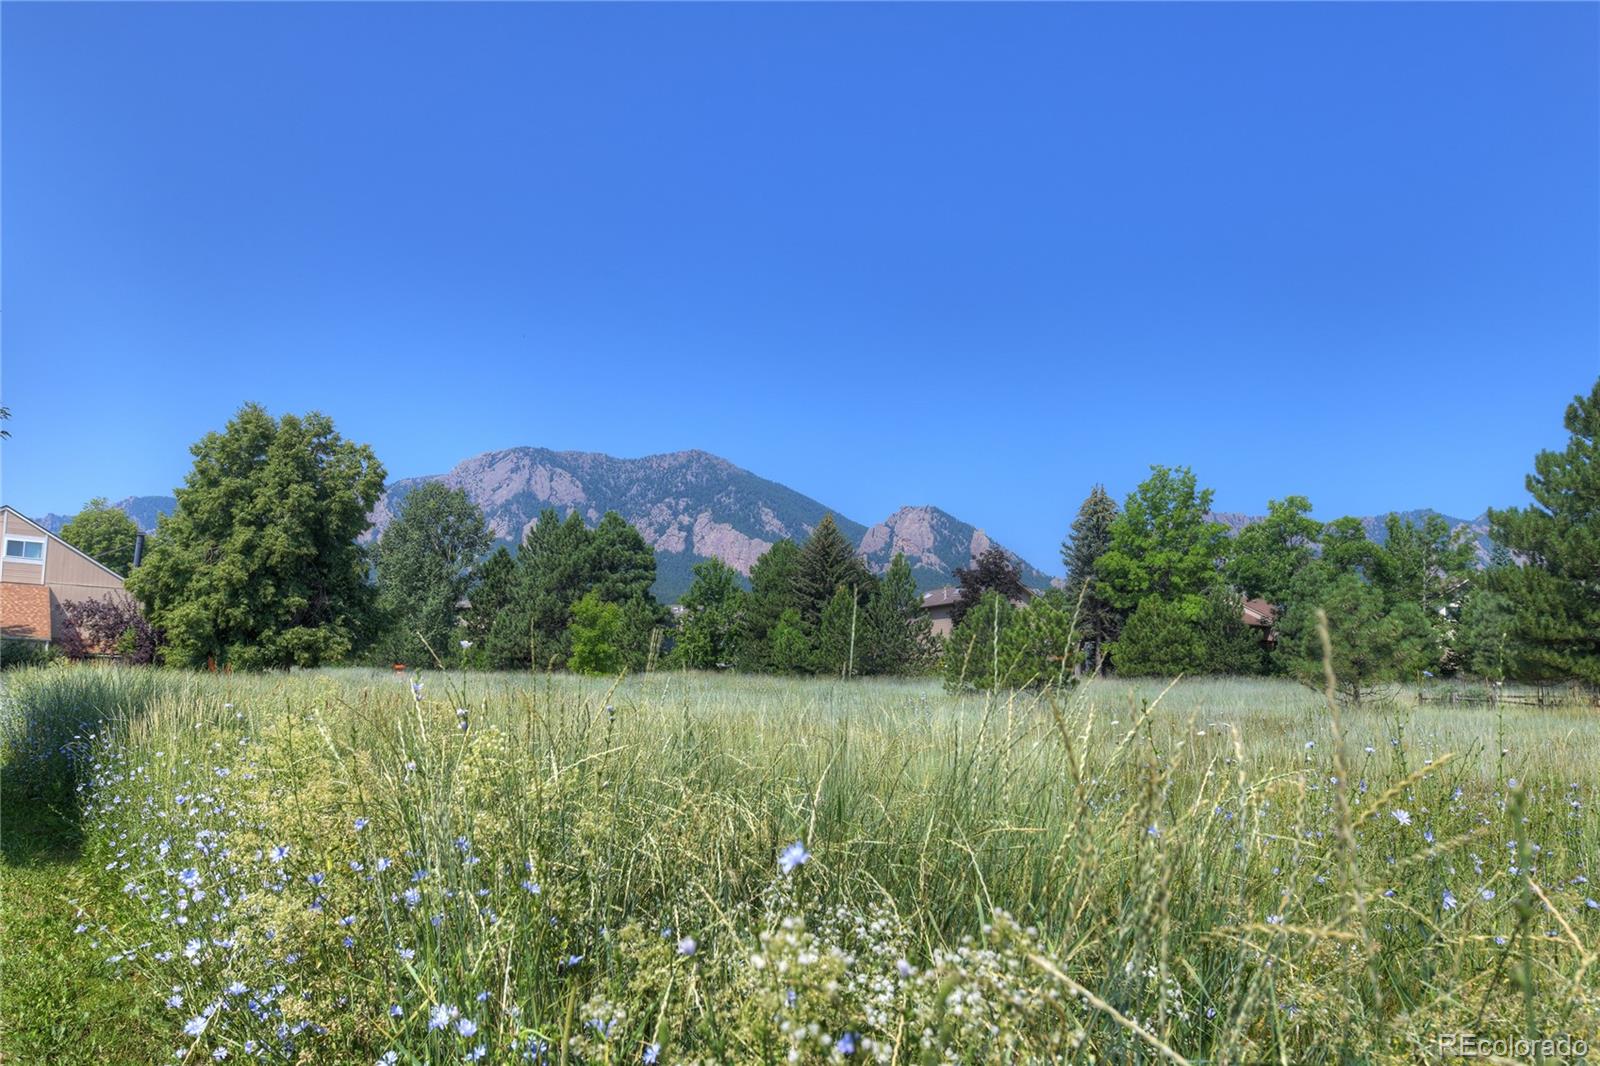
{"points": [[709, 630], [837, 631], [1432, 566], [1347, 549], [773, 593], [553, 573], [827, 561], [493, 584], [1490, 643], [1556, 593], [641, 632], [105, 533], [259, 565], [1163, 545], [425, 562], [992, 571], [895, 635], [595, 629], [1373, 640], [621, 565], [1098, 619], [976, 654], [1267, 556]]}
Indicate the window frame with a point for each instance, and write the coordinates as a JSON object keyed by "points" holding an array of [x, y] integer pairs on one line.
{"points": [[23, 539]]}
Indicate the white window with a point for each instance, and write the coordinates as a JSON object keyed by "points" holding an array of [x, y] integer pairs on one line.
{"points": [[25, 549]]}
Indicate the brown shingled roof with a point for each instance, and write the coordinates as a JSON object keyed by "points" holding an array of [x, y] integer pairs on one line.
{"points": [[24, 610], [1259, 612]]}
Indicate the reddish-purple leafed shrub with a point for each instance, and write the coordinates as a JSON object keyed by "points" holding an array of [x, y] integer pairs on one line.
{"points": [[112, 626]]}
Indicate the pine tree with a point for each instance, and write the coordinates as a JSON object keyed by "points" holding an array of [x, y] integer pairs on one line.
{"points": [[1040, 647], [834, 654], [621, 565], [1098, 620], [827, 561], [895, 634], [790, 644], [975, 655], [491, 589], [1556, 594], [553, 573], [639, 636], [993, 571], [772, 593], [1373, 641], [1432, 566]]}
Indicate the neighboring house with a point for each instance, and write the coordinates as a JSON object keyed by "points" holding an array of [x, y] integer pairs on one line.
{"points": [[942, 601], [1262, 617], [39, 575], [1258, 614]]}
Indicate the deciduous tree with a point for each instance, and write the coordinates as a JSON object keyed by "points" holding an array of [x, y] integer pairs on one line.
{"points": [[992, 571], [1163, 545], [1266, 556], [424, 561], [259, 565], [595, 628], [104, 533], [708, 633]]}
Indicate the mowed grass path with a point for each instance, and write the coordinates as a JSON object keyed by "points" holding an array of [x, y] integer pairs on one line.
{"points": [[331, 866]]}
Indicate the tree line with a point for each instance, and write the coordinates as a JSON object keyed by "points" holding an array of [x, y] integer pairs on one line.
{"points": [[261, 566]]}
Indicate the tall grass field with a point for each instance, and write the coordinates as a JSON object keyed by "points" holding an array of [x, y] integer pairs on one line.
{"points": [[349, 866]]}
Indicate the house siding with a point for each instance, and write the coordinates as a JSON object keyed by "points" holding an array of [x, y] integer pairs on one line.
{"points": [[34, 596]]}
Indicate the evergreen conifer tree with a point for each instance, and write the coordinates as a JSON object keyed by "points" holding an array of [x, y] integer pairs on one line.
{"points": [[1556, 594], [1098, 620]]}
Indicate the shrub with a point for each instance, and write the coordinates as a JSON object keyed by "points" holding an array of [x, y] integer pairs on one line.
{"points": [[14, 653], [110, 626]]}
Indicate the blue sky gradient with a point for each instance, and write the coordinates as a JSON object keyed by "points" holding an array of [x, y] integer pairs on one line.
{"points": [[975, 256]]}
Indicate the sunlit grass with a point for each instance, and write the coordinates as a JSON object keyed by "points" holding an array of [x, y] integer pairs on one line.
{"points": [[553, 867]]}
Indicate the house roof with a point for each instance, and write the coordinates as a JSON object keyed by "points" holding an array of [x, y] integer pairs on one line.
{"points": [[7, 508], [944, 597], [1259, 612], [26, 610]]}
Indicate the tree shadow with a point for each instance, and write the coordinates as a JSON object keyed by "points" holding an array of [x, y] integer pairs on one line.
{"points": [[35, 829]]}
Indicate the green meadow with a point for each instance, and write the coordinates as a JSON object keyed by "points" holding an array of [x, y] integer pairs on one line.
{"points": [[337, 866]]}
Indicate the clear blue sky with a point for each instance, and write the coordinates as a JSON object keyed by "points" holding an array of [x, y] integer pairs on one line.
{"points": [[975, 256]]}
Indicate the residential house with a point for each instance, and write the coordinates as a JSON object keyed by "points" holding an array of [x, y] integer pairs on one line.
{"points": [[1263, 618], [1258, 613], [39, 575], [940, 604]]}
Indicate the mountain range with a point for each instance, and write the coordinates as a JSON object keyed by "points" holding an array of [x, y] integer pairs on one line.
{"points": [[688, 506], [692, 505]]}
